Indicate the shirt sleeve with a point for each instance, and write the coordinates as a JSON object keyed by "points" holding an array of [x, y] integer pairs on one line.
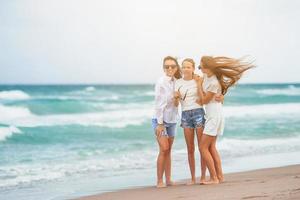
{"points": [[213, 87], [160, 102]]}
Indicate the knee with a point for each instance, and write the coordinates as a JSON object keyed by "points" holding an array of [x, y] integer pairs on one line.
{"points": [[203, 148], [168, 151], [165, 151]]}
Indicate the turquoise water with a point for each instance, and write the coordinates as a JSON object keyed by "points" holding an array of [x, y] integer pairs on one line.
{"points": [[65, 140]]}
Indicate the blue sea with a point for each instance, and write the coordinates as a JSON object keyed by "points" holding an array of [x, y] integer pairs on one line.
{"points": [[66, 141]]}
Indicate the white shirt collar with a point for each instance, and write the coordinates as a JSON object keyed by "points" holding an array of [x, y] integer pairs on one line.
{"points": [[168, 78]]}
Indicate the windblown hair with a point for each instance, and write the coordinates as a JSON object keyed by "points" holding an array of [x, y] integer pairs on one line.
{"points": [[177, 75], [227, 70]]}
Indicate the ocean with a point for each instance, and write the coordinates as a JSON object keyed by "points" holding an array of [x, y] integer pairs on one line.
{"points": [[65, 141]]}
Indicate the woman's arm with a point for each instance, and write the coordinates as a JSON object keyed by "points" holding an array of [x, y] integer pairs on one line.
{"points": [[199, 81], [206, 97], [160, 104], [176, 98]]}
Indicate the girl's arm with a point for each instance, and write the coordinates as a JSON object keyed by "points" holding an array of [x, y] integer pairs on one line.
{"points": [[206, 97], [199, 81]]}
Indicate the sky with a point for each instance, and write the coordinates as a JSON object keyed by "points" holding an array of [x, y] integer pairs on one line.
{"points": [[119, 42]]}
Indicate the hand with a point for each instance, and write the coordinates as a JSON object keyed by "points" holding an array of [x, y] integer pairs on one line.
{"points": [[177, 95], [198, 79], [219, 98], [198, 101], [159, 129]]}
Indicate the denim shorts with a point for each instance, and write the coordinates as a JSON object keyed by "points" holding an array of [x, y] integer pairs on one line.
{"points": [[193, 118], [170, 128]]}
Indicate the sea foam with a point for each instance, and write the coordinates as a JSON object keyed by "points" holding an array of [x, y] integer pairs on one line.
{"points": [[291, 90], [134, 115], [6, 132], [13, 95]]}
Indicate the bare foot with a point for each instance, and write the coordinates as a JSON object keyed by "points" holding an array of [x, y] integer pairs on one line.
{"points": [[161, 185], [170, 183], [211, 182], [202, 180], [191, 182], [221, 179]]}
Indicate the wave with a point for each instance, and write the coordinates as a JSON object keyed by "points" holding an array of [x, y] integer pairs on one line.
{"points": [[22, 117], [120, 116], [77, 97], [230, 147], [13, 95], [90, 89], [10, 113], [6, 132], [128, 162], [291, 90], [22, 174], [150, 93], [263, 110]]}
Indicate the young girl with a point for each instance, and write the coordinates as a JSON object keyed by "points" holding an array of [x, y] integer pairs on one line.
{"points": [[220, 73], [192, 118], [165, 118]]}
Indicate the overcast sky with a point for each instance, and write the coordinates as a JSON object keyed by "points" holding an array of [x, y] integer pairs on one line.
{"points": [[119, 41]]}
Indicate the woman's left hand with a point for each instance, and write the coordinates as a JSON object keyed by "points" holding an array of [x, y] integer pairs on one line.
{"points": [[198, 101], [219, 98]]}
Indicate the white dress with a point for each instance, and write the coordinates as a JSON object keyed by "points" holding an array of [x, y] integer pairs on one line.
{"points": [[214, 120]]}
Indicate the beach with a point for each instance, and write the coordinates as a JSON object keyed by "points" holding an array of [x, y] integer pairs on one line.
{"points": [[270, 183]]}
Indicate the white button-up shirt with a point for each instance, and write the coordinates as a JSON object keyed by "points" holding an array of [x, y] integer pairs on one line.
{"points": [[165, 110]]}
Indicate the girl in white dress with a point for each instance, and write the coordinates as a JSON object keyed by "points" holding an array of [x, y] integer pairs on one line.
{"points": [[220, 73]]}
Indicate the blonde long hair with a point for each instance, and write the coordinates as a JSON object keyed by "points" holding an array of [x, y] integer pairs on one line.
{"points": [[177, 75], [227, 70]]}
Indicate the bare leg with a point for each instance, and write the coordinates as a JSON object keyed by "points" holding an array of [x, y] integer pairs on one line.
{"points": [[161, 159], [168, 163], [217, 160], [189, 139], [203, 164], [206, 142]]}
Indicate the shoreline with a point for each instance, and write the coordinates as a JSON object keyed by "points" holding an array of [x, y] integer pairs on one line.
{"points": [[269, 183]]}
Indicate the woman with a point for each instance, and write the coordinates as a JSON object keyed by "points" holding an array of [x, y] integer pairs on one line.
{"points": [[165, 118], [220, 73]]}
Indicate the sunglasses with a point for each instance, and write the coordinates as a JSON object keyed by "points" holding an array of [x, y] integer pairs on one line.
{"points": [[170, 66]]}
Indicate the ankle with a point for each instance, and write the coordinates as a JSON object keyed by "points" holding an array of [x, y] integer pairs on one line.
{"points": [[168, 180], [160, 181]]}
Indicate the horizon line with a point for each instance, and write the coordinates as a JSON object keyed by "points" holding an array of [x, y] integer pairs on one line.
{"points": [[32, 84]]}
